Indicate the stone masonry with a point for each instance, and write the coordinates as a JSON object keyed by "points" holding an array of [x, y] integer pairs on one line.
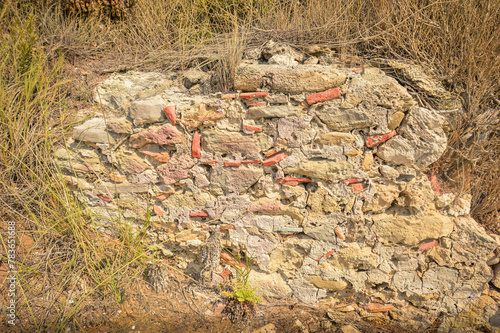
{"points": [[315, 169]]}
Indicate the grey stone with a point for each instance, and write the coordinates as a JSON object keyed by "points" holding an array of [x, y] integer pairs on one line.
{"points": [[147, 111], [236, 180], [343, 120], [421, 140], [93, 130], [304, 292], [327, 170], [223, 142], [273, 111], [269, 285]]}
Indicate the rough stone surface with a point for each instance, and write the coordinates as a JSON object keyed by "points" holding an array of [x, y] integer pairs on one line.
{"points": [[307, 78], [327, 197], [421, 140]]}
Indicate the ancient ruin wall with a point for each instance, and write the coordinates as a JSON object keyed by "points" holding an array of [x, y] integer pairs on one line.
{"points": [[316, 170]]}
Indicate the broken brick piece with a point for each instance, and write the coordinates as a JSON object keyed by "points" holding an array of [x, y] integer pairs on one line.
{"points": [[272, 152], [329, 253], [231, 164], [375, 140], [376, 307], [275, 158], [357, 187], [162, 157], [252, 128], [195, 147], [228, 96], [199, 214], [227, 259], [253, 94], [256, 104], [104, 198], [225, 273], [158, 211], [357, 70], [251, 162], [352, 181], [170, 113], [339, 233], [427, 245], [293, 181], [323, 96]]}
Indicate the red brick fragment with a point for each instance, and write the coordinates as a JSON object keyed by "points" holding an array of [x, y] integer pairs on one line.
{"points": [[251, 162], [357, 70], [329, 253], [104, 198], [158, 211], [372, 141], [428, 245], [253, 94], [252, 128], [293, 181], [195, 147], [352, 181], [357, 187], [323, 96], [227, 259], [199, 214], [275, 158], [435, 185], [170, 113], [228, 96], [256, 104], [231, 164], [163, 195], [339, 233], [225, 273], [376, 307]]}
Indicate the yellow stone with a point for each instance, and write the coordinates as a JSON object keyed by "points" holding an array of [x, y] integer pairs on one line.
{"points": [[367, 161], [395, 120]]}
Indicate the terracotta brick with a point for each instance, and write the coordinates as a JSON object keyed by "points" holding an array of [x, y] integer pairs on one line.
{"points": [[158, 211], [427, 245], [329, 253], [340, 234], [375, 140], [199, 214], [253, 94], [195, 148], [252, 128], [227, 259], [256, 104], [275, 158], [163, 195], [357, 187], [231, 164], [272, 152], [293, 181], [352, 181], [170, 113], [376, 307], [228, 96], [225, 273], [252, 162], [323, 96], [104, 198], [357, 70]]}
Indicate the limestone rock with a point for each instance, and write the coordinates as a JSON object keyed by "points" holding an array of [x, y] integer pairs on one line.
{"points": [[421, 140], [164, 135], [496, 276], [200, 114], [283, 60], [214, 141], [147, 111], [272, 49], [386, 193], [344, 120], [269, 285], [93, 130], [401, 229], [306, 78], [176, 168], [335, 138], [236, 180], [326, 284], [375, 88], [273, 111], [119, 126], [327, 170], [415, 76], [322, 227], [395, 120]]}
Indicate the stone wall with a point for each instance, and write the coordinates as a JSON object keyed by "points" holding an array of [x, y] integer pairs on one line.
{"points": [[315, 169]]}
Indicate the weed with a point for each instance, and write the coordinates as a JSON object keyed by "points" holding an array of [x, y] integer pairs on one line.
{"points": [[242, 292]]}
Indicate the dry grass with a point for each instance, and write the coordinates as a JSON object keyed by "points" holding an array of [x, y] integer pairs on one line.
{"points": [[458, 40]]}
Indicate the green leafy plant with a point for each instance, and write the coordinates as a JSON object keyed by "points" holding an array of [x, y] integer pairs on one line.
{"points": [[242, 292]]}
